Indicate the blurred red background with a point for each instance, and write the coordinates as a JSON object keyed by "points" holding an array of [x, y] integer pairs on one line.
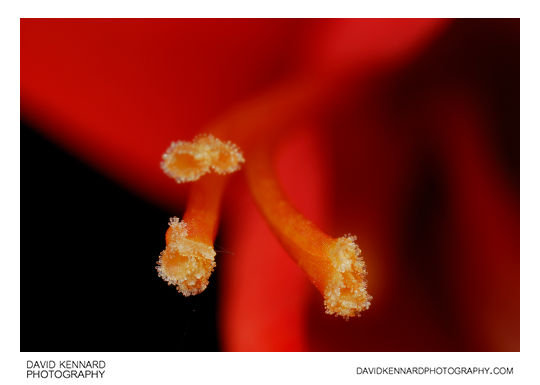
{"points": [[419, 157]]}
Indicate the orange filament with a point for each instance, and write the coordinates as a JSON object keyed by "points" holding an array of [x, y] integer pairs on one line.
{"points": [[333, 265], [188, 161], [188, 259]]}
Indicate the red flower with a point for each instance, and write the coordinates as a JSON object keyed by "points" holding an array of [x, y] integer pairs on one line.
{"points": [[409, 156]]}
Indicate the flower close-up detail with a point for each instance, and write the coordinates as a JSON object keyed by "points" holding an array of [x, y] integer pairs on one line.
{"points": [[303, 184]]}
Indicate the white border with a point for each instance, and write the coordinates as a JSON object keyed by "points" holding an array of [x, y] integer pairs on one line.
{"points": [[275, 8], [268, 367]]}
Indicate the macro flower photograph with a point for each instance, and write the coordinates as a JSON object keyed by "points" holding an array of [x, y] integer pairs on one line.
{"points": [[270, 185]]}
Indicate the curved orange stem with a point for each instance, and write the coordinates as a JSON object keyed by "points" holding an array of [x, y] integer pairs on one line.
{"points": [[333, 265]]}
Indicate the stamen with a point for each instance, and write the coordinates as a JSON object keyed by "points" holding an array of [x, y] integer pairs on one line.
{"points": [[334, 265], [185, 263], [188, 259], [346, 293], [188, 161]]}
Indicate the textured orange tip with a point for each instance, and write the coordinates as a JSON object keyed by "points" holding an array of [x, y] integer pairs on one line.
{"points": [[188, 161], [184, 263], [345, 292], [188, 259], [334, 265]]}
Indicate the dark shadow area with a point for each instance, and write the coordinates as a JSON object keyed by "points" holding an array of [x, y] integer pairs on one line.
{"points": [[88, 255]]}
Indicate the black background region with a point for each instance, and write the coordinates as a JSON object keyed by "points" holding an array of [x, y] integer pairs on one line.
{"points": [[88, 254]]}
